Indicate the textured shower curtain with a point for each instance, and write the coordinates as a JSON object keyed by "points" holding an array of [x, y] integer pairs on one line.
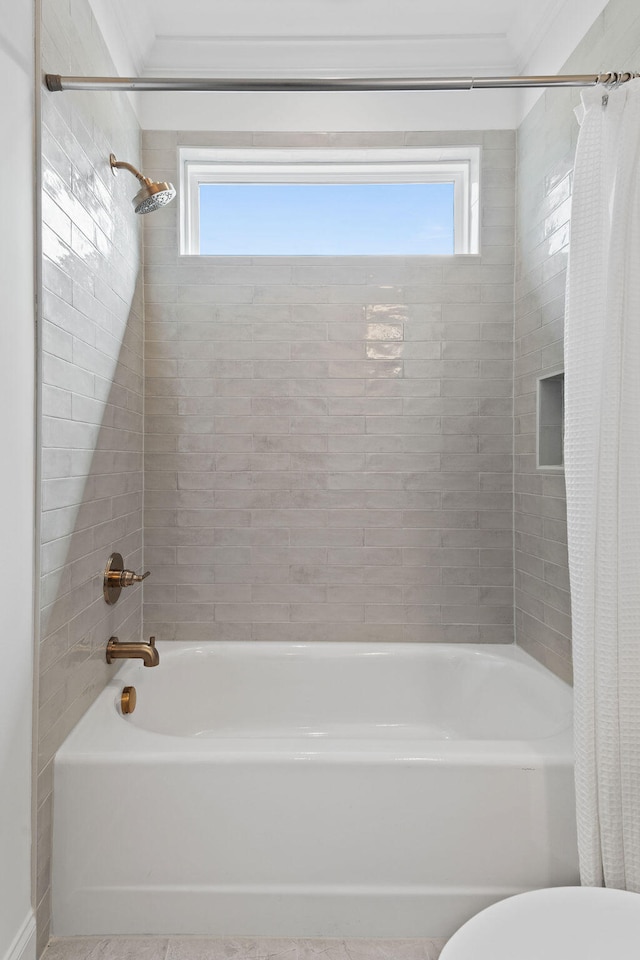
{"points": [[602, 465]]}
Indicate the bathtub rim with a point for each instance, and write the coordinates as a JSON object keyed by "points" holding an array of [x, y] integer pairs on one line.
{"points": [[104, 734]]}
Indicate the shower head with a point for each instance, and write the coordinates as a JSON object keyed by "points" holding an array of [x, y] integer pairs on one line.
{"points": [[152, 195]]}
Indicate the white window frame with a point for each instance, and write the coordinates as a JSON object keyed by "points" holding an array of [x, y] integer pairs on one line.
{"points": [[457, 165]]}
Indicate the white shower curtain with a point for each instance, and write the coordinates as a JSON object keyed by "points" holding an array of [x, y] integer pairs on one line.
{"points": [[602, 464]]}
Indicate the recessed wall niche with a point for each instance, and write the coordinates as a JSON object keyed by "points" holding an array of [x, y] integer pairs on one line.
{"points": [[550, 422]]}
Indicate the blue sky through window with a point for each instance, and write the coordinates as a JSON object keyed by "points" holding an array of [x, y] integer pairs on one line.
{"points": [[326, 219]]}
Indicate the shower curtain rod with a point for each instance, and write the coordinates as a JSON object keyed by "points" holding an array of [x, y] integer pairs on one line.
{"points": [[55, 82]]}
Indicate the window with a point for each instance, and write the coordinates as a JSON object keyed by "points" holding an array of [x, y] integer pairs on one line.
{"points": [[329, 202]]}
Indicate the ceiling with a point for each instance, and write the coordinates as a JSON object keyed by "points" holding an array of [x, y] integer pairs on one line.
{"points": [[268, 35], [347, 37]]}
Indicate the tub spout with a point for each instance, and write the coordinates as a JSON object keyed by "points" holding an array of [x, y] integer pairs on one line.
{"points": [[133, 651]]}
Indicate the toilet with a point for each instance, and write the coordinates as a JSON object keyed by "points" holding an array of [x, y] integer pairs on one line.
{"points": [[561, 923]]}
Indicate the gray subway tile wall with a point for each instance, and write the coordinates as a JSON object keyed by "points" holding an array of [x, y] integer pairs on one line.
{"points": [[546, 149], [92, 394], [328, 441]]}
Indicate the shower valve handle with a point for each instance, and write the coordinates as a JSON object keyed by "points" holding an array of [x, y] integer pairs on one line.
{"points": [[116, 577], [128, 577]]}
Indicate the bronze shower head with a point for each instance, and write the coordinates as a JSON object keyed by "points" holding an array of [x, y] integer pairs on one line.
{"points": [[152, 195]]}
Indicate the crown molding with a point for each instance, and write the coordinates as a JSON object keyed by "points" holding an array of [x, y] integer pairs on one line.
{"points": [[322, 56], [328, 17], [334, 38]]}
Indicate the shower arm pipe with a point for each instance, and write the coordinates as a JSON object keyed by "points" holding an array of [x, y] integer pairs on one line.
{"points": [[123, 165], [55, 82]]}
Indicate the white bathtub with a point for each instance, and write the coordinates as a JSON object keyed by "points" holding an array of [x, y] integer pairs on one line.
{"points": [[303, 790]]}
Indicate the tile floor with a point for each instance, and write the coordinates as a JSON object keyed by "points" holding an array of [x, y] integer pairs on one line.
{"points": [[241, 948]]}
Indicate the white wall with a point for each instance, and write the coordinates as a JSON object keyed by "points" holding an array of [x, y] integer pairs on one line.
{"points": [[17, 925]]}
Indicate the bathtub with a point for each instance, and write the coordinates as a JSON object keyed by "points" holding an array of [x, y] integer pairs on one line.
{"points": [[314, 790]]}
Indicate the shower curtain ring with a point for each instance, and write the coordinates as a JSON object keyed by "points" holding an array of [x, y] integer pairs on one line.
{"points": [[611, 81]]}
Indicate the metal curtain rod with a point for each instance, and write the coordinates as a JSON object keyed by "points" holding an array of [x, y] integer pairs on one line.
{"points": [[55, 82]]}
